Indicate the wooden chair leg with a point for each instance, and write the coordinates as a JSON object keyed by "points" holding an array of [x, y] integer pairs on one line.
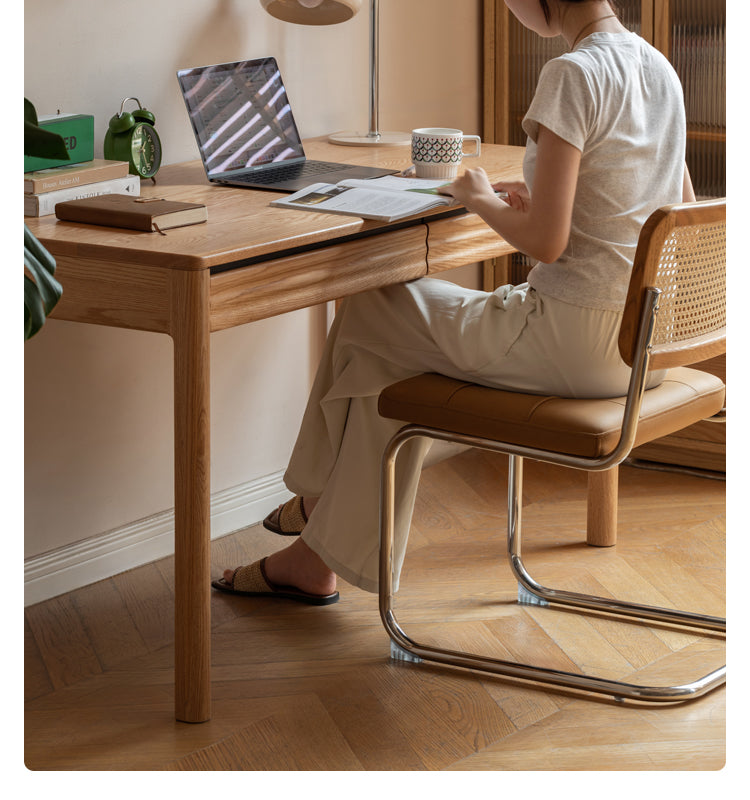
{"points": [[601, 526]]}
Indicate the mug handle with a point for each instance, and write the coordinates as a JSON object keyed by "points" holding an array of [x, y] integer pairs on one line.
{"points": [[478, 143]]}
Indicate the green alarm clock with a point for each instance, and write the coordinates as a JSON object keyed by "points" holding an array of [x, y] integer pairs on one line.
{"points": [[132, 137]]}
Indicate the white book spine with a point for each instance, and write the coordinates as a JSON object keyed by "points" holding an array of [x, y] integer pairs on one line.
{"points": [[41, 205]]}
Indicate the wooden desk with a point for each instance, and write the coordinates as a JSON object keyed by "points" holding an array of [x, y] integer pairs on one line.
{"points": [[249, 262]]}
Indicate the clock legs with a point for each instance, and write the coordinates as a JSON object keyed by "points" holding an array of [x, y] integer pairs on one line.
{"points": [[190, 332]]}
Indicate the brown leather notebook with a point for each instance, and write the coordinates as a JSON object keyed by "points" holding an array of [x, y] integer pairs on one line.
{"points": [[137, 213]]}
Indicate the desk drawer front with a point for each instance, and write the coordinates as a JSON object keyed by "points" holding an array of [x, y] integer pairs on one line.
{"points": [[463, 240], [286, 284], [121, 295]]}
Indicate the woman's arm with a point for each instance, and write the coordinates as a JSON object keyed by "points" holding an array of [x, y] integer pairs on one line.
{"points": [[539, 225]]}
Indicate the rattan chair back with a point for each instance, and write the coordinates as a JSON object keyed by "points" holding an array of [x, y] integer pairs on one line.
{"points": [[682, 253]]}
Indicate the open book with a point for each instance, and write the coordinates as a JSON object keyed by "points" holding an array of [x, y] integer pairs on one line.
{"points": [[385, 199]]}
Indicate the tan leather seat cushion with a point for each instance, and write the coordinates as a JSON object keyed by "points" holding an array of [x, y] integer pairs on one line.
{"points": [[588, 428]]}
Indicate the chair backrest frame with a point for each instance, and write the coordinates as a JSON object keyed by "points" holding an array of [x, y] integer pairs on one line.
{"points": [[661, 258]]}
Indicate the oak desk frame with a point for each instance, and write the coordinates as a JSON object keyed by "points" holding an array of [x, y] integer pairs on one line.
{"points": [[248, 262]]}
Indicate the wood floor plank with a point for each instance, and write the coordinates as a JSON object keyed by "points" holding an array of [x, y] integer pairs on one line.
{"points": [[150, 604], [300, 736], [461, 716], [702, 546], [112, 726], [680, 588], [111, 630], [610, 757], [36, 682], [379, 744], [611, 737], [63, 642], [575, 635]]}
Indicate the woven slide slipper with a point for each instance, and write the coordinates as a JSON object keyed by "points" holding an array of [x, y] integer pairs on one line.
{"points": [[288, 519], [251, 581]]}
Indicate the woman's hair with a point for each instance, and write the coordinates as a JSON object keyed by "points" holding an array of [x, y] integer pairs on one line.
{"points": [[545, 6]]}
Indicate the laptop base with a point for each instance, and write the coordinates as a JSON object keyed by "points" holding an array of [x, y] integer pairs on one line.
{"points": [[305, 174]]}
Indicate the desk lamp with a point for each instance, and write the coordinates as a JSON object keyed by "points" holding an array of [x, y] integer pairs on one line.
{"points": [[331, 12]]}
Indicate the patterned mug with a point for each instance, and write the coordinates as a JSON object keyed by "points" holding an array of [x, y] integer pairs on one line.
{"points": [[437, 152]]}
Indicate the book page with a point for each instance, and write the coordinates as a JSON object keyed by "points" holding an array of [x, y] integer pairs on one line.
{"points": [[361, 201], [395, 183]]}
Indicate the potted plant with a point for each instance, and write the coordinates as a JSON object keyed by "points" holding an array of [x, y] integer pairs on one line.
{"points": [[41, 290]]}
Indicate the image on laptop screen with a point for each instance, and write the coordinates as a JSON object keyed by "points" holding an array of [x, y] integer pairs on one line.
{"points": [[241, 115]]}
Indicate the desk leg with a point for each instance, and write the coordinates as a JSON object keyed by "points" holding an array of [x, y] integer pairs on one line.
{"points": [[191, 336]]}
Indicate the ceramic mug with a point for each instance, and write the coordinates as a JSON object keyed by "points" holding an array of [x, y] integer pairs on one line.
{"points": [[438, 152]]}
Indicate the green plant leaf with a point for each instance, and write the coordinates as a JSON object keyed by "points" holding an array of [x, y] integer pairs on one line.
{"points": [[41, 290], [38, 141], [43, 144], [33, 309], [29, 112]]}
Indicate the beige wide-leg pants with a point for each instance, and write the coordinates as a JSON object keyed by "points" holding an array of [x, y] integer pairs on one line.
{"points": [[511, 338]]}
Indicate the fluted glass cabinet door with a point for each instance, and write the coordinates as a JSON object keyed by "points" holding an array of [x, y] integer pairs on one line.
{"points": [[693, 36]]}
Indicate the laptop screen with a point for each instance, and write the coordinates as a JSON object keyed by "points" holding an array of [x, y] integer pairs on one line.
{"points": [[240, 115]]}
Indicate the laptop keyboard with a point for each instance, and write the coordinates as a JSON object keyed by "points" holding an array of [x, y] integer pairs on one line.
{"points": [[287, 171]]}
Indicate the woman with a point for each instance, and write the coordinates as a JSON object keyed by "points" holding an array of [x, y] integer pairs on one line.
{"points": [[606, 147]]}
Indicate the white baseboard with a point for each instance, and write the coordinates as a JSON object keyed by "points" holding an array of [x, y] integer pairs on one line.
{"points": [[143, 541]]}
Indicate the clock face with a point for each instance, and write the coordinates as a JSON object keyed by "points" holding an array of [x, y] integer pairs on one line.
{"points": [[145, 150]]}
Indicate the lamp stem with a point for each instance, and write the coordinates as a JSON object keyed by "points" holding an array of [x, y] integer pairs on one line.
{"points": [[374, 136], [374, 67]]}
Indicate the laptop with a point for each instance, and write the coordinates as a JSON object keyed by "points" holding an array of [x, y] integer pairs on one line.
{"points": [[246, 133]]}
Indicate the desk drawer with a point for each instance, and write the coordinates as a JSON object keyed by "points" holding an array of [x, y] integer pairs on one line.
{"points": [[285, 284], [461, 240], [106, 293]]}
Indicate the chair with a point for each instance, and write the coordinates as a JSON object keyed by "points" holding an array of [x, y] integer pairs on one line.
{"points": [[674, 315]]}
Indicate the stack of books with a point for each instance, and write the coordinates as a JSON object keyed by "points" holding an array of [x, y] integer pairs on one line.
{"points": [[45, 188]]}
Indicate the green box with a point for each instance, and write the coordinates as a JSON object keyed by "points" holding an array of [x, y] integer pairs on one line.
{"points": [[78, 132]]}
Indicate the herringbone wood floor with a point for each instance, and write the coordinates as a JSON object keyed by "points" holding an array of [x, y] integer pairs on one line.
{"points": [[300, 688]]}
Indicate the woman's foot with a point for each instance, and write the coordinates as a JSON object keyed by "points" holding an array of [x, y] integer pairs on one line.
{"points": [[298, 566], [290, 518]]}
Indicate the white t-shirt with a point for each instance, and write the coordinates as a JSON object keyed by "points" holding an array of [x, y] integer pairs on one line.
{"points": [[619, 101]]}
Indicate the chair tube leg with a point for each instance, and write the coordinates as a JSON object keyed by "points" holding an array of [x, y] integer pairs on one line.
{"points": [[401, 641], [515, 504], [515, 507], [404, 648], [542, 595]]}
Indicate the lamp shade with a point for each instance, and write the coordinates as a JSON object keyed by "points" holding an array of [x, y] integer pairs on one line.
{"points": [[312, 12]]}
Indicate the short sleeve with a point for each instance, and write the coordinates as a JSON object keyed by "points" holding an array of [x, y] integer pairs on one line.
{"points": [[563, 103]]}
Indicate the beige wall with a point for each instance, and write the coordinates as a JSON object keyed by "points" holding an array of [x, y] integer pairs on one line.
{"points": [[99, 401]]}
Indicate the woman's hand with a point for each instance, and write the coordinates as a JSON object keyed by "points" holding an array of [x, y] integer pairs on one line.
{"points": [[516, 194], [470, 188], [474, 186]]}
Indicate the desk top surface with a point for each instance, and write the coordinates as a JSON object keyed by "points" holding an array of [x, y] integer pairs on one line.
{"points": [[241, 223]]}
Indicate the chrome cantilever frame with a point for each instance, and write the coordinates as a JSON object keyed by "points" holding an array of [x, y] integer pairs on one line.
{"points": [[531, 592]]}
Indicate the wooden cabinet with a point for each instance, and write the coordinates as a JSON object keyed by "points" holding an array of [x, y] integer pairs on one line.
{"points": [[691, 33]]}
